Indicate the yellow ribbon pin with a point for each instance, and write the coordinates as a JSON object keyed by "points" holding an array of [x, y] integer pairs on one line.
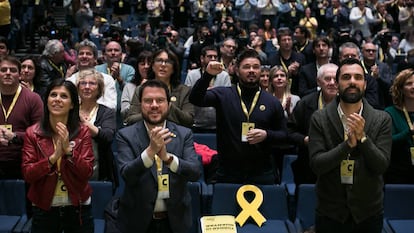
{"points": [[250, 209]]}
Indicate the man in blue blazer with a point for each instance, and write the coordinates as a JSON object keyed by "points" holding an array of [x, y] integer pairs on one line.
{"points": [[156, 159]]}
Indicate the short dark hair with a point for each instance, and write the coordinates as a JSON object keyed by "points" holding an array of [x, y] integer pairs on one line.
{"points": [[207, 48], [348, 61], [303, 30], [12, 60], [73, 123], [283, 31], [4, 40], [154, 83], [175, 78], [323, 39], [248, 53]]}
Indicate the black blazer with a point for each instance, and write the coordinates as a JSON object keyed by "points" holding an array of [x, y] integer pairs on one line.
{"points": [[106, 122], [307, 79]]}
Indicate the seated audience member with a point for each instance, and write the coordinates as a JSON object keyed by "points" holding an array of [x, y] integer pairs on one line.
{"points": [[299, 120], [86, 59], [151, 151], [401, 169], [249, 122], [165, 67], [100, 120], [407, 43], [4, 49], [280, 88], [120, 72], [308, 72], [264, 77], [378, 71], [21, 109], [303, 43], [30, 72], [286, 57], [407, 63], [141, 75], [52, 65], [205, 117]]}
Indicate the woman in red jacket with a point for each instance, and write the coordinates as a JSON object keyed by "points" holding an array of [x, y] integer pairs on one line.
{"points": [[57, 163]]}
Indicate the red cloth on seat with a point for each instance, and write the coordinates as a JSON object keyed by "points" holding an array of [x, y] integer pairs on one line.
{"points": [[205, 152]]}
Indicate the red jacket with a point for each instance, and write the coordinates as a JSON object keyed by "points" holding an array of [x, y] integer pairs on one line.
{"points": [[75, 170]]}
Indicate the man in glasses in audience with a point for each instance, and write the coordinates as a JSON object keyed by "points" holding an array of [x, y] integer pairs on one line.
{"points": [[379, 71], [20, 109], [205, 117]]}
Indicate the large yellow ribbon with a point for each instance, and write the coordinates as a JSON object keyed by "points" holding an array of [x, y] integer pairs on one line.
{"points": [[250, 209]]}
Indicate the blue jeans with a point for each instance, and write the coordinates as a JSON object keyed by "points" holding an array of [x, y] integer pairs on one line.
{"points": [[69, 219], [325, 224]]}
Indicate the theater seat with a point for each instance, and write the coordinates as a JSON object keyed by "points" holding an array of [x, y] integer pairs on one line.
{"points": [[12, 206], [274, 208], [398, 208], [101, 195]]}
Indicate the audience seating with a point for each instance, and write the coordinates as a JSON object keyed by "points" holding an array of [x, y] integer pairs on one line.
{"points": [[12, 206], [305, 207], [195, 191], [208, 139], [398, 208], [287, 177], [274, 208], [101, 195]]}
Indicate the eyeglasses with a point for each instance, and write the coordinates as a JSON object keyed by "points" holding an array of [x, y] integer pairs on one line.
{"points": [[370, 50], [12, 70], [160, 61], [149, 101], [84, 84]]}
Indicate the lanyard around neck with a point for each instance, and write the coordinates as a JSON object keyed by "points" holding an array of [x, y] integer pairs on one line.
{"points": [[408, 119], [244, 108], [60, 69], [8, 112]]}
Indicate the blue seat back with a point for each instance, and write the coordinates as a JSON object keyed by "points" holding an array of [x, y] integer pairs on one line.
{"points": [[306, 204], [274, 204], [101, 195], [399, 201], [195, 192], [12, 197]]}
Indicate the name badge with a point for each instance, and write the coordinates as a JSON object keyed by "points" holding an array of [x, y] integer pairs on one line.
{"points": [[246, 127], [347, 171], [163, 186], [8, 127], [61, 196]]}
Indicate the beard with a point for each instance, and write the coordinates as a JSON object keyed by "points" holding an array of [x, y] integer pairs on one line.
{"points": [[150, 121], [351, 98]]}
